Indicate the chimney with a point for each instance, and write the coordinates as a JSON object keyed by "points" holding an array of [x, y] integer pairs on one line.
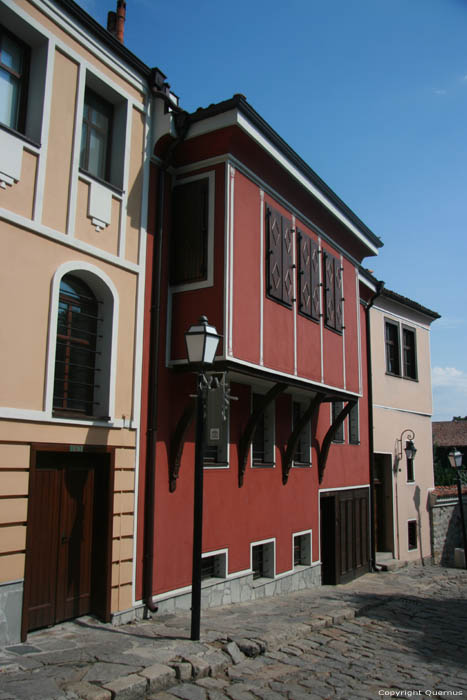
{"points": [[120, 27], [116, 21]]}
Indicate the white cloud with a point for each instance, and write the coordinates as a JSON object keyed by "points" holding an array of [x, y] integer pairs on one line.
{"points": [[439, 92], [449, 392]]}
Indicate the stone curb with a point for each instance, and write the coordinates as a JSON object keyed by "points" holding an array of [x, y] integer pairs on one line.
{"points": [[234, 650]]}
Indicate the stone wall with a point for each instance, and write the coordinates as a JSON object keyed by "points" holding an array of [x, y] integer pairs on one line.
{"points": [[445, 526], [240, 589]]}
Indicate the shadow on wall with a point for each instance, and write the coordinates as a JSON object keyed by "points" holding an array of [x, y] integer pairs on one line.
{"points": [[416, 500]]}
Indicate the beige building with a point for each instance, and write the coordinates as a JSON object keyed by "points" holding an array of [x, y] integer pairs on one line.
{"points": [[402, 409], [73, 178]]}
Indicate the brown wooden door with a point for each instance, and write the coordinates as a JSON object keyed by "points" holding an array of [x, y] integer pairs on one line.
{"points": [[344, 535], [62, 539]]}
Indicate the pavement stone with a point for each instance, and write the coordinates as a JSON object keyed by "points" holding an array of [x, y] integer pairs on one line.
{"points": [[395, 630]]}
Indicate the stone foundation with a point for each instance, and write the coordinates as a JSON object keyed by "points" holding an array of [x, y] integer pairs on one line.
{"points": [[232, 590], [11, 605]]}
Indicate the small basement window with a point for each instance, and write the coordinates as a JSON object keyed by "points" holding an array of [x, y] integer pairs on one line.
{"points": [[213, 566], [412, 534], [302, 550], [262, 560]]}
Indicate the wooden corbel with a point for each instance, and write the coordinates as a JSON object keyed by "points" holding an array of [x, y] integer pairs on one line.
{"points": [[328, 438], [247, 437], [292, 443], [177, 443]]}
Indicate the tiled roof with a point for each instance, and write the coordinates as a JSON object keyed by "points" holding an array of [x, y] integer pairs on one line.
{"points": [[409, 302], [450, 433], [448, 491]]}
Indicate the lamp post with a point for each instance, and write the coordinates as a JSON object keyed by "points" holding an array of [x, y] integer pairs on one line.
{"points": [[409, 449], [455, 459], [201, 344]]}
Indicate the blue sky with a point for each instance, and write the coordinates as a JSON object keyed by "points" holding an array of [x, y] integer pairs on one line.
{"points": [[373, 95]]}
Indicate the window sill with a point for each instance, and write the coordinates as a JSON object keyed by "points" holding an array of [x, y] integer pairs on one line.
{"points": [[216, 465], [212, 581], [20, 135], [263, 465], [301, 465], [301, 567], [105, 183], [74, 415]]}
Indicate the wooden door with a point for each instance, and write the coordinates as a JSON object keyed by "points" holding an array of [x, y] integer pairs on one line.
{"points": [[67, 495], [344, 535]]}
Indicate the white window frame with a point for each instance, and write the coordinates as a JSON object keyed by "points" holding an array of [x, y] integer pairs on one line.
{"points": [[209, 281], [221, 564], [105, 289], [271, 566], [118, 135], [307, 545]]}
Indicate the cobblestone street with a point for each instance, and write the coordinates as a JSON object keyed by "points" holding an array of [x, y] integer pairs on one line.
{"points": [[393, 634]]}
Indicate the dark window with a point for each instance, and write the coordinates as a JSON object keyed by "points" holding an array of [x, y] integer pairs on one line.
{"points": [[77, 329], [354, 432], [189, 241], [301, 550], [302, 453], [409, 353], [263, 437], [96, 135], [14, 68], [410, 469], [217, 426], [263, 560], [337, 407], [392, 348], [279, 257], [258, 437], [332, 292], [308, 277], [412, 533]]}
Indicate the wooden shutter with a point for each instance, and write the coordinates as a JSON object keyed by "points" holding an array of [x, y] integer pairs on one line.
{"points": [[274, 270], [338, 294], [304, 274], [329, 291], [315, 286], [287, 262]]}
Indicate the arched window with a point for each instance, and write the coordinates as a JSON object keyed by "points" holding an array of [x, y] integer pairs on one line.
{"points": [[76, 369]]}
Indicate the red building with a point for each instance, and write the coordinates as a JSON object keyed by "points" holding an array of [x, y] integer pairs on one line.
{"points": [[243, 231]]}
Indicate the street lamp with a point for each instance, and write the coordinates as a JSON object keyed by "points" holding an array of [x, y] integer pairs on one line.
{"points": [[201, 344], [409, 449], [455, 459]]}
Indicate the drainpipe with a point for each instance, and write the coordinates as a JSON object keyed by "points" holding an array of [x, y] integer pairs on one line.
{"points": [[379, 289], [182, 123]]}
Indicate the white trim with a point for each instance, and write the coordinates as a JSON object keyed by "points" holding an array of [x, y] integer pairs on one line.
{"points": [[26, 414], [64, 239], [227, 236], [294, 294], [402, 410], [261, 277], [406, 320], [243, 123], [75, 152], [345, 488], [209, 281], [46, 111], [84, 37], [320, 385], [231, 256], [235, 118], [344, 369], [359, 334], [65, 268], [366, 282], [274, 194]]}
